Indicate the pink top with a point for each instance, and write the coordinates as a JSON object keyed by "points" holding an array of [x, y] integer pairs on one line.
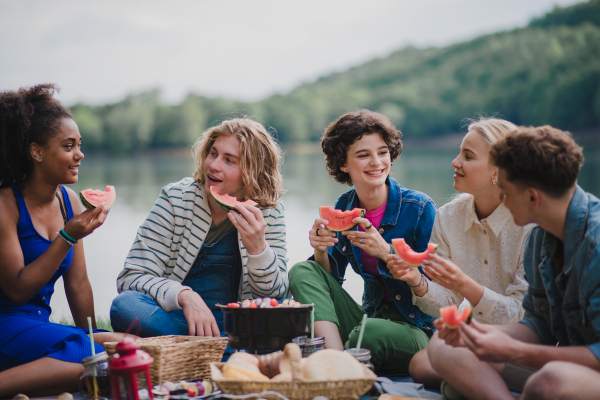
{"points": [[368, 261]]}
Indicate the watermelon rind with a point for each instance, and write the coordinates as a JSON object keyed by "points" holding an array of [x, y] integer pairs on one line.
{"points": [[348, 227], [225, 206], [86, 204], [470, 317]]}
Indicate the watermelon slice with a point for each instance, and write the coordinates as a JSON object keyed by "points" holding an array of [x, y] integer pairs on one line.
{"points": [[452, 317], [409, 256], [340, 220], [94, 198], [227, 202]]}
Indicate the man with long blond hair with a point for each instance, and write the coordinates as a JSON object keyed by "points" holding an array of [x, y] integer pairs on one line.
{"points": [[190, 254]]}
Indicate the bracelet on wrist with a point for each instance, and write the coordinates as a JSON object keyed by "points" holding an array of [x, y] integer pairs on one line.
{"points": [[66, 237], [67, 241], [421, 282]]}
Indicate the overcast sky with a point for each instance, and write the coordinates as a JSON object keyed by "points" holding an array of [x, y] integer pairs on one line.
{"points": [[98, 51]]}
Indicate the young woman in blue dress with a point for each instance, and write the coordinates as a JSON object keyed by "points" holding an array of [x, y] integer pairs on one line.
{"points": [[40, 241]]}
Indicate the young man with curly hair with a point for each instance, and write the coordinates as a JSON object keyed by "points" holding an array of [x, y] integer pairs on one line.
{"points": [[555, 349]]}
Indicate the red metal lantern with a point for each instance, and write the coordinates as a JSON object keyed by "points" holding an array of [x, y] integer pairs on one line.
{"points": [[128, 362]]}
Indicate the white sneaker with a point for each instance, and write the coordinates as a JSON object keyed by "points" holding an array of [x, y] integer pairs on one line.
{"points": [[449, 392]]}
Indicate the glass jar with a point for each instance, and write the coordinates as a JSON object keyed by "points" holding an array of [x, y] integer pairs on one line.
{"points": [[308, 345], [94, 382], [362, 355]]}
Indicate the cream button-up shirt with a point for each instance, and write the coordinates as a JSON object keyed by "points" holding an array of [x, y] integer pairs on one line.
{"points": [[490, 251]]}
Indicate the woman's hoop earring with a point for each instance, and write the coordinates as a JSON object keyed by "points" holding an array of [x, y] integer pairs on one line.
{"points": [[493, 181]]}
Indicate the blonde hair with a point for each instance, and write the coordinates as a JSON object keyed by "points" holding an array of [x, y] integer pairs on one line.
{"points": [[260, 158], [492, 129]]}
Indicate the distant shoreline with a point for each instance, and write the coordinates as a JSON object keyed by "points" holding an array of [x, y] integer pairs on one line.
{"points": [[451, 141]]}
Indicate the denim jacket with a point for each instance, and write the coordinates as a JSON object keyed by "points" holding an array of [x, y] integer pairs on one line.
{"points": [[564, 309], [409, 214]]}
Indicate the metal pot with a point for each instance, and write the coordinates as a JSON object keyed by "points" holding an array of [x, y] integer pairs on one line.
{"points": [[254, 329]]}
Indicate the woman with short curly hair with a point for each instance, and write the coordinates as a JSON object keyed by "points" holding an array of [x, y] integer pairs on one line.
{"points": [[190, 254], [42, 224], [359, 150]]}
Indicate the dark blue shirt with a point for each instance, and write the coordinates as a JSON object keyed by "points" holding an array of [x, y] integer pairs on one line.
{"points": [[564, 307]]}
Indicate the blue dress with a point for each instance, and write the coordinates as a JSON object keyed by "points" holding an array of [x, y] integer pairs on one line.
{"points": [[26, 333]]}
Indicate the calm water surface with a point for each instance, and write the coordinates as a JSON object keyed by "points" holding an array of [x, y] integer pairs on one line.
{"points": [[138, 181]]}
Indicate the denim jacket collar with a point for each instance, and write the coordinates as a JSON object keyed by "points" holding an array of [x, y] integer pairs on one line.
{"points": [[392, 210], [577, 214], [574, 230]]}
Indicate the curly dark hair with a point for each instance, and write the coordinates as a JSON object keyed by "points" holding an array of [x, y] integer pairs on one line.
{"points": [[544, 158], [29, 115], [349, 128]]}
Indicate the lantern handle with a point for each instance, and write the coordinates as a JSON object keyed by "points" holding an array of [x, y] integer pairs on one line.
{"points": [[136, 321]]}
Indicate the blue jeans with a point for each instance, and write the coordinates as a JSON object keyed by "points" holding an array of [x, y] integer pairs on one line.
{"points": [[215, 276]]}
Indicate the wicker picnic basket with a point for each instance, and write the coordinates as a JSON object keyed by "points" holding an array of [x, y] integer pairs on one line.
{"points": [[179, 358], [296, 389]]}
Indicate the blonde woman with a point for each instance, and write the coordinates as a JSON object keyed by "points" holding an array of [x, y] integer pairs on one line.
{"points": [[480, 252], [190, 254]]}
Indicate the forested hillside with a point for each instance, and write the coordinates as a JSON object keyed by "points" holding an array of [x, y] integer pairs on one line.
{"points": [[545, 73]]}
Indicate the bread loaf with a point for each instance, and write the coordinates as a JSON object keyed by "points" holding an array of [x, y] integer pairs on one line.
{"points": [[332, 365], [243, 366]]}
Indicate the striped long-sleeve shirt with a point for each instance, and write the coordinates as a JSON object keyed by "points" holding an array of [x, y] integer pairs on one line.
{"points": [[167, 243]]}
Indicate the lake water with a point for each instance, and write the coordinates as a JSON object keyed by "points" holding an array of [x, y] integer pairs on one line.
{"points": [[138, 181]]}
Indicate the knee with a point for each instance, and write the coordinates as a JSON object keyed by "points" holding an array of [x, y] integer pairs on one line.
{"points": [[126, 300], [548, 383], [372, 337], [419, 367], [124, 308], [302, 272], [439, 353]]}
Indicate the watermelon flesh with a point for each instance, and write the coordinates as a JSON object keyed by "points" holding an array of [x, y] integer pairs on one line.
{"points": [[227, 202], [340, 220], [409, 256], [91, 198], [452, 317]]}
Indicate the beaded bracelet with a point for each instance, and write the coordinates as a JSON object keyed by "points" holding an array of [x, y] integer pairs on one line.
{"points": [[67, 238], [420, 282]]}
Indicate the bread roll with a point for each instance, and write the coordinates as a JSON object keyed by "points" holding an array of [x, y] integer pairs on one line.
{"points": [[243, 366], [332, 365]]}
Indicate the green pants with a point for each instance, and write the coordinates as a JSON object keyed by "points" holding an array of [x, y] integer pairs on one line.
{"points": [[392, 340]]}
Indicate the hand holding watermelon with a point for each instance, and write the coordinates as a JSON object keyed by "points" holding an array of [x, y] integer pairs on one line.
{"points": [[370, 240], [320, 237], [250, 224], [490, 343], [404, 272], [450, 336], [450, 276], [85, 223]]}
